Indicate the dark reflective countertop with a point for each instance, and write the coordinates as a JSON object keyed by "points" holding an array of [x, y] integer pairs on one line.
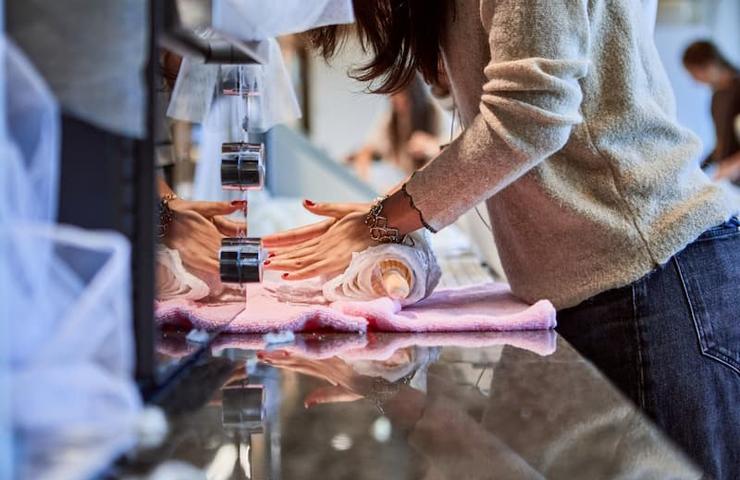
{"points": [[389, 406]]}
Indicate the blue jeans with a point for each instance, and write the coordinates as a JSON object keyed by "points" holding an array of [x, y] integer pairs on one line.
{"points": [[671, 342]]}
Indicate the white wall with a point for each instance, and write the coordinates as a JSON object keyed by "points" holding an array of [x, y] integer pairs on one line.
{"points": [[342, 115], [692, 99]]}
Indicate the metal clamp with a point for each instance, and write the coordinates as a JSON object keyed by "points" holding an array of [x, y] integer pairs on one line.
{"points": [[240, 260], [242, 166]]}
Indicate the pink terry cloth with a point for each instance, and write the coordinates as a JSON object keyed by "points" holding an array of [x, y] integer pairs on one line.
{"points": [[476, 308]]}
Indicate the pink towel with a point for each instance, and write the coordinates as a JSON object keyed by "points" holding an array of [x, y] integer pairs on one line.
{"points": [[484, 307]]}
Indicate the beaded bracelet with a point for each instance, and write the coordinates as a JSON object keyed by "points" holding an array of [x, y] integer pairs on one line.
{"points": [[166, 215], [380, 231]]}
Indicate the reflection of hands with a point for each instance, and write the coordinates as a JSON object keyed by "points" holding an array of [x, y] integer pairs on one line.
{"points": [[327, 254], [215, 212], [346, 384], [196, 231]]}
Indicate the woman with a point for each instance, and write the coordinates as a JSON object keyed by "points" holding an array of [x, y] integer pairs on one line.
{"points": [[594, 193], [407, 135], [707, 65]]}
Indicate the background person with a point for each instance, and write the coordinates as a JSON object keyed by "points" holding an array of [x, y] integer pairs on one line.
{"points": [[707, 65]]}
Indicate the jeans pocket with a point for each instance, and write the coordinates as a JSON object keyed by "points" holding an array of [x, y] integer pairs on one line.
{"points": [[710, 273]]}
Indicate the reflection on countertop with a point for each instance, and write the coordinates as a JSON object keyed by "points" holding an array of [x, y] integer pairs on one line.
{"points": [[484, 405]]}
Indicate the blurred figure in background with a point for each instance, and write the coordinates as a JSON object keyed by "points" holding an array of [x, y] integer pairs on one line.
{"points": [[408, 135], [707, 65]]}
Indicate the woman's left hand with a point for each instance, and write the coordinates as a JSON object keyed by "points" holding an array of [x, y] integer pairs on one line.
{"points": [[328, 254]]}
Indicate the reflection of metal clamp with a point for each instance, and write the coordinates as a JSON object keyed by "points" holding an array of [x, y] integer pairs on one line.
{"points": [[240, 260], [244, 81], [243, 407], [239, 80], [242, 166], [382, 390], [253, 242]]}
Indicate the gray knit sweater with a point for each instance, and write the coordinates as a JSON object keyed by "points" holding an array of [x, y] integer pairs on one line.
{"points": [[571, 135]]}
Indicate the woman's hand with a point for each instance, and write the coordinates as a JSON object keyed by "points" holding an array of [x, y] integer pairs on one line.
{"points": [[327, 254], [326, 248], [280, 242], [216, 213]]}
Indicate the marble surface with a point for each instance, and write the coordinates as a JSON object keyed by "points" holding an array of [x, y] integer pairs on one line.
{"points": [[327, 406]]}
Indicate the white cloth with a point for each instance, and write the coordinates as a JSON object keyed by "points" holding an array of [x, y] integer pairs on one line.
{"points": [[66, 369], [193, 92], [173, 280], [261, 19], [193, 98]]}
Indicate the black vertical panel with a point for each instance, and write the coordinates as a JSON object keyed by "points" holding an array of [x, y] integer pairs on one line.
{"points": [[144, 220]]}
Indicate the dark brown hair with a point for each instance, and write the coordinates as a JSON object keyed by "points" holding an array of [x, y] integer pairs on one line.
{"points": [[703, 52], [403, 36]]}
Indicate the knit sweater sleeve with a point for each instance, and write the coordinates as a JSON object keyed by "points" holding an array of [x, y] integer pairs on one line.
{"points": [[528, 105]]}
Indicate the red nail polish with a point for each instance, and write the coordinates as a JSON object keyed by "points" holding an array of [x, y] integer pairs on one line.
{"points": [[271, 255], [284, 275], [309, 203], [267, 262], [239, 203]]}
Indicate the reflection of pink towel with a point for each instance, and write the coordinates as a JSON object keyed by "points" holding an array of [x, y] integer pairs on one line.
{"points": [[485, 307], [381, 346]]}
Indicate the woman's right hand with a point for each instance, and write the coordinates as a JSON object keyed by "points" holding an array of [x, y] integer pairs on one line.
{"points": [[333, 211]]}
